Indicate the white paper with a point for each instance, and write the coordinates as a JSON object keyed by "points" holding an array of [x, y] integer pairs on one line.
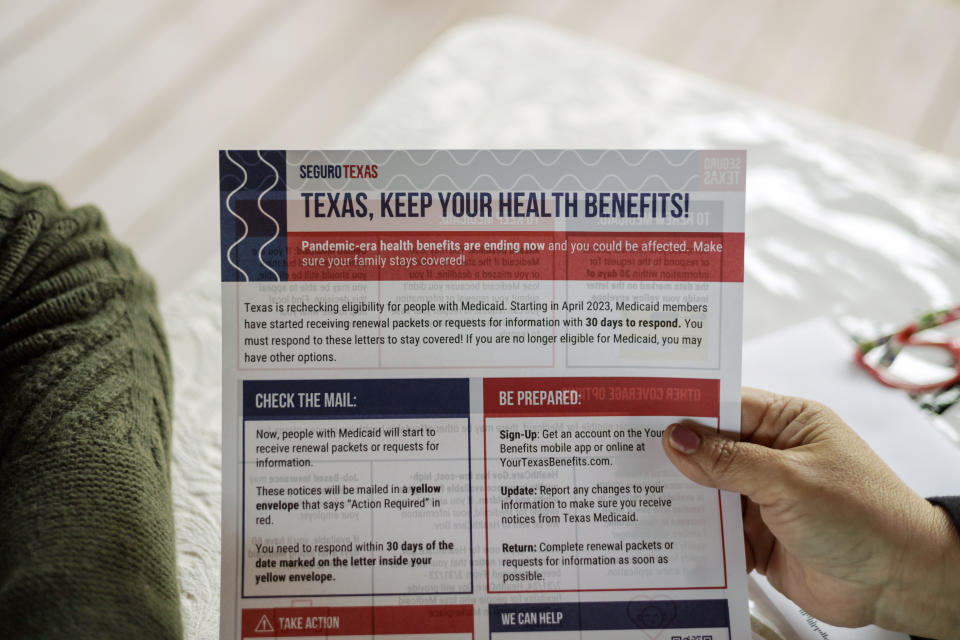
{"points": [[446, 375], [815, 360]]}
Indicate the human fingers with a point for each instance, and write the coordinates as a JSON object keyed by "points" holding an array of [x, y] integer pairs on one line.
{"points": [[757, 536]]}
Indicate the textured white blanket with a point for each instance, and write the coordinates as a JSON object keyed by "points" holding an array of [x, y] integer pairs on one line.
{"points": [[840, 221]]}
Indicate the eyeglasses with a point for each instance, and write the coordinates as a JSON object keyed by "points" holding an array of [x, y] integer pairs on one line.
{"points": [[921, 357]]}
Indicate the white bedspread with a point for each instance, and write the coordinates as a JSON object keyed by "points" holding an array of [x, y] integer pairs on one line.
{"points": [[840, 221]]}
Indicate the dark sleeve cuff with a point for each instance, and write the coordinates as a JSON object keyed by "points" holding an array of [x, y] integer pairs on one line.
{"points": [[950, 504]]}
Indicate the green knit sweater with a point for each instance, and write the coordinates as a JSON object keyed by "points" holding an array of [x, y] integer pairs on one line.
{"points": [[86, 522]]}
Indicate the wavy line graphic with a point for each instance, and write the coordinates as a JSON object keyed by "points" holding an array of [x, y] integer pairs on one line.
{"points": [[493, 153], [233, 264], [298, 162], [536, 183], [276, 233]]}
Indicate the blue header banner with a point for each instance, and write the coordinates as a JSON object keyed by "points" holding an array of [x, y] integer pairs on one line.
{"points": [[328, 399], [639, 613]]}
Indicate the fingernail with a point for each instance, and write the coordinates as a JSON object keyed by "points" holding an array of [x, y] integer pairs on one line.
{"points": [[683, 439]]}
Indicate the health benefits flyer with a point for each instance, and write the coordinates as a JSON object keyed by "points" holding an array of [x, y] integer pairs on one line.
{"points": [[446, 375]]}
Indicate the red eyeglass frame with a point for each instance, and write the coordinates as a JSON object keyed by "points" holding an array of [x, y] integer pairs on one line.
{"points": [[906, 337]]}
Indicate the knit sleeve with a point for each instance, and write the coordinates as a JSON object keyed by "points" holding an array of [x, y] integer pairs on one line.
{"points": [[86, 523]]}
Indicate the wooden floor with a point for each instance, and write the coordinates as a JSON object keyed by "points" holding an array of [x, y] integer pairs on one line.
{"points": [[124, 103]]}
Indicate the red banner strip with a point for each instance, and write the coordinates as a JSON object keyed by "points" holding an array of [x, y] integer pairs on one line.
{"points": [[516, 255], [293, 622], [527, 397]]}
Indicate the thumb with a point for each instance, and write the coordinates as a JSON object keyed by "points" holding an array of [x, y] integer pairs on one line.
{"points": [[716, 460]]}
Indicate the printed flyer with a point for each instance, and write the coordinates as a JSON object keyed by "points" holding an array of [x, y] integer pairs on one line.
{"points": [[446, 375]]}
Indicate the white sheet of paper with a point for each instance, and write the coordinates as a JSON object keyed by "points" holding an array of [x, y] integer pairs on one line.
{"points": [[814, 360], [446, 380]]}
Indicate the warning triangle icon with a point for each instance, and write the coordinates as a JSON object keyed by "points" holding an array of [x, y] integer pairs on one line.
{"points": [[264, 625]]}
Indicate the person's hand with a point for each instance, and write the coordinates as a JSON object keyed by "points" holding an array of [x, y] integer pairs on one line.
{"points": [[828, 523]]}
